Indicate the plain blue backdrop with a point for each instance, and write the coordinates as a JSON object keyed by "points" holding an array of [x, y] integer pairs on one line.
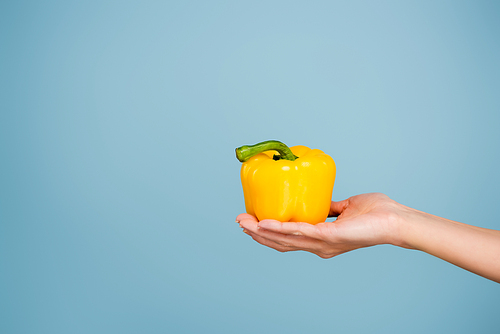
{"points": [[119, 186]]}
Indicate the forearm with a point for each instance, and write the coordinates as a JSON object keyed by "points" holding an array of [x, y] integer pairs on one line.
{"points": [[469, 247]]}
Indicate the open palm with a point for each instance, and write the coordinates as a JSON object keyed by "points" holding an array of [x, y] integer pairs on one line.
{"points": [[362, 221]]}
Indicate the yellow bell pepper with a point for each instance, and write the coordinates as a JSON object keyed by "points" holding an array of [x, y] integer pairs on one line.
{"points": [[287, 184]]}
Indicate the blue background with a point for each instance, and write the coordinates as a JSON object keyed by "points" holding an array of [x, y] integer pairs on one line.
{"points": [[119, 186]]}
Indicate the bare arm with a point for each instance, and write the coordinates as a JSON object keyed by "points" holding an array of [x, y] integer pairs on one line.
{"points": [[472, 248], [374, 219]]}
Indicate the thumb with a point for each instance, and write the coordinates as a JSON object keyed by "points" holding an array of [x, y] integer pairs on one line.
{"points": [[336, 208]]}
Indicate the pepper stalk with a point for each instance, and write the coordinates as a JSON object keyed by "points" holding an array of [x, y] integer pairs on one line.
{"points": [[245, 152]]}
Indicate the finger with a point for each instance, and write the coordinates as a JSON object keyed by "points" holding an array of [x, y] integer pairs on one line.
{"points": [[294, 241], [297, 229], [277, 237], [336, 208], [245, 216], [269, 243], [285, 243], [249, 223]]}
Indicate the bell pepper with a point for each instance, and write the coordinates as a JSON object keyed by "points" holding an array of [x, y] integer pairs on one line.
{"points": [[287, 184]]}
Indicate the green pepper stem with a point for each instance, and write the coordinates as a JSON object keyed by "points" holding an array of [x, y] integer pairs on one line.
{"points": [[244, 153]]}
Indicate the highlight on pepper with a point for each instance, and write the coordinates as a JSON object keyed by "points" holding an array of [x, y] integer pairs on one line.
{"points": [[289, 184]]}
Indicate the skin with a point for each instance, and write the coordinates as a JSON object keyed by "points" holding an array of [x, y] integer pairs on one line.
{"points": [[374, 219]]}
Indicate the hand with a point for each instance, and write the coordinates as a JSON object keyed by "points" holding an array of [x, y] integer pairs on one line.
{"points": [[363, 220]]}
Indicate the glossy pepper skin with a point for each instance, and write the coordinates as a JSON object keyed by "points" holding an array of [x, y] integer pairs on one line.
{"points": [[289, 191]]}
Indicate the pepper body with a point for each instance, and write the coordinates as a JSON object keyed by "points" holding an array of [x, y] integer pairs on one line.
{"points": [[289, 191]]}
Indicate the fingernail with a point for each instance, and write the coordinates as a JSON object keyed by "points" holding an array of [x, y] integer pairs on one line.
{"points": [[245, 231], [237, 221]]}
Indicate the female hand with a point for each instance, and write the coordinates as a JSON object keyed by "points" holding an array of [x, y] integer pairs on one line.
{"points": [[374, 219], [363, 220]]}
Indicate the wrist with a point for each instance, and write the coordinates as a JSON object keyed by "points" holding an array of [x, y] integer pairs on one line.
{"points": [[404, 225]]}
